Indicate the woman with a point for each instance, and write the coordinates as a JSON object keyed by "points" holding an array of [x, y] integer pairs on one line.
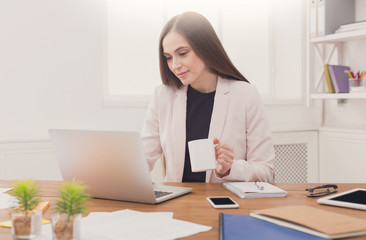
{"points": [[204, 96]]}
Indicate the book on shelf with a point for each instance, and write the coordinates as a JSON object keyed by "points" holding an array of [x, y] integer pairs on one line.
{"points": [[313, 18], [254, 189], [339, 78], [361, 25], [350, 30], [328, 79], [333, 13], [315, 221], [353, 25]]}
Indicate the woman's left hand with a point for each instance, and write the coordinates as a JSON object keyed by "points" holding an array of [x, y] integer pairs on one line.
{"points": [[224, 157]]}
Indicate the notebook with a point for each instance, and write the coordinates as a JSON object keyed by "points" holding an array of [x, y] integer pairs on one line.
{"points": [[328, 79], [339, 78], [254, 189], [111, 163], [315, 221], [242, 226]]}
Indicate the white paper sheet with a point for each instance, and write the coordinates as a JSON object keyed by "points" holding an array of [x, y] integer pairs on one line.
{"points": [[4, 190], [129, 224], [6, 200]]}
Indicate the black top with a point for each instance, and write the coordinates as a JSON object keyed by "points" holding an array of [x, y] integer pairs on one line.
{"points": [[198, 119]]}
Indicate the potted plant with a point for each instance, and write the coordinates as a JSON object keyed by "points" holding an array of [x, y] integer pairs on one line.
{"points": [[70, 205], [26, 219]]}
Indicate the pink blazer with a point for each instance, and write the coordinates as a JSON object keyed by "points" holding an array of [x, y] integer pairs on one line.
{"points": [[238, 119]]}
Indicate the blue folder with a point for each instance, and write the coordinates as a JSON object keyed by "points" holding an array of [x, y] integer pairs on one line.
{"points": [[238, 226]]}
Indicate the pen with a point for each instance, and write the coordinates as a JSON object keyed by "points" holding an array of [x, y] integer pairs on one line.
{"points": [[349, 74], [260, 187]]}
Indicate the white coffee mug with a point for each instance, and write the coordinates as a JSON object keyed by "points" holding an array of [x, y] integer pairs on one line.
{"points": [[202, 154]]}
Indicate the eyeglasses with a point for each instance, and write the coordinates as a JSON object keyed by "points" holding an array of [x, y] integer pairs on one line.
{"points": [[322, 190]]}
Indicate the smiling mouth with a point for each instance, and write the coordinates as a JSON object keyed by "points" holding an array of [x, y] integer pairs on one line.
{"points": [[181, 75]]}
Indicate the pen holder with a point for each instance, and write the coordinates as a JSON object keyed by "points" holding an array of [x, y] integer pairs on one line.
{"points": [[355, 82], [356, 85]]}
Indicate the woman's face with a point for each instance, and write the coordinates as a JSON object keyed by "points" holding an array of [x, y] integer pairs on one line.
{"points": [[183, 61]]}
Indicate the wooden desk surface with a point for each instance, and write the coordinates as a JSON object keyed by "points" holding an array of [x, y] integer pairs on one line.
{"points": [[194, 206]]}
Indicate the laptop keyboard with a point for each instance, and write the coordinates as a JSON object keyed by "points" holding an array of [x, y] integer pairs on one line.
{"points": [[161, 193]]}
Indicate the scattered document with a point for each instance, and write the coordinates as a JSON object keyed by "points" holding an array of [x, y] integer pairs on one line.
{"points": [[254, 189], [6, 200], [314, 221], [4, 190], [129, 224]]}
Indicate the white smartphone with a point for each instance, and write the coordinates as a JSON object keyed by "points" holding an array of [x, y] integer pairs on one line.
{"points": [[222, 202]]}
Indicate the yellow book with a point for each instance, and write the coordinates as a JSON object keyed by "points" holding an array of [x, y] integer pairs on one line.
{"points": [[8, 224], [328, 79], [43, 205]]}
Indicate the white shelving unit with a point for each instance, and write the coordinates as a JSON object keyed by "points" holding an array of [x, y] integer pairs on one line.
{"points": [[340, 37], [336, 42], [352, 95]]}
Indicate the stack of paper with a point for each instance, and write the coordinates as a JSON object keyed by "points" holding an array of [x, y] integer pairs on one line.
{"points": [[129, 224], [254, 189], [352, 27]]}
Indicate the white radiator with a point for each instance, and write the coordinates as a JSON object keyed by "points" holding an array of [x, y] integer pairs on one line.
{"points": [[296, 156], [291, 163]]}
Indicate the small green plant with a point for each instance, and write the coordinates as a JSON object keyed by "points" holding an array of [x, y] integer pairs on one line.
{"points": [[72, 199], [27, 192]]}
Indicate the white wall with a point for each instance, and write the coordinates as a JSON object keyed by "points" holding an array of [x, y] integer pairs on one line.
{"points": [[342, 155], [52, 68], [51, 75]]}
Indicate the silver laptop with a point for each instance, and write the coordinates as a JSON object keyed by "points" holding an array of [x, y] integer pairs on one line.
{"points": [[112, 164]]}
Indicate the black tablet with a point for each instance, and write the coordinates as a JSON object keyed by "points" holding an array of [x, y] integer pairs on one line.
{"points": [[355, 198]]}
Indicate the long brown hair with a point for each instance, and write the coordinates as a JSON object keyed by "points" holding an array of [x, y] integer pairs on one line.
{"points": [[201, 36]]}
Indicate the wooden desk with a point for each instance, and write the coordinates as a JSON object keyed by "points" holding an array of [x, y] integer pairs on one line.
{"points": [[194, 206]]}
